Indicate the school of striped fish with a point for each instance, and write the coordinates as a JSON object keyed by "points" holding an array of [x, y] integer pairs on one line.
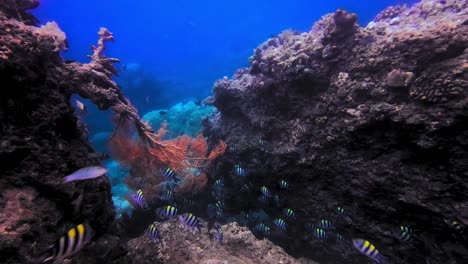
{"points": [[325, 229]]}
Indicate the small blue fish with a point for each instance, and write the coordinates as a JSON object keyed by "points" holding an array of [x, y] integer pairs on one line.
{"points": [[366, 248], [219, 233], [170, 174], [289, 213], [283, 184], [86, 174], [138, 198], [405, 234], [167, 212], [326, 224], [280, 223], [154, 232], [320, 233], [191, 222], [167, 195], [239, 171], [265, 191], [264, 229]]}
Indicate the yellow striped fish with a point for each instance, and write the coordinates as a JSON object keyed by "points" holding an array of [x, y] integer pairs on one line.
{"points": [[70, 243], [366, 248]]}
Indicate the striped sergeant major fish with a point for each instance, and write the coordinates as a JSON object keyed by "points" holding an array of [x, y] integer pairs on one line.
{"points": [[167, 195], [191, 222], [70, 243], [326, 224], [169, 174], [366, 248], [340, 239], [218, 185], [405, 234], [154, 233], [262, 228], [283, 185], [289, 213], [232, 149], [265, 191], [239, 171], [343, 213], [167, 212], [280, 223], [219, 205], [320, 233], [138, 198], [219, 233]]}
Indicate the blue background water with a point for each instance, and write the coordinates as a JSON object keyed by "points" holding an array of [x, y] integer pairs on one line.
{"points": [[175, 49]]}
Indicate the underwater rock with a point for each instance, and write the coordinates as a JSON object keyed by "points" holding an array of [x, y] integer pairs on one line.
{"points": [[397, 78], [181, 246], [338, 135], [42, 141]]}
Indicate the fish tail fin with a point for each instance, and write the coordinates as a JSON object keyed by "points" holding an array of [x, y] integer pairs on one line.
{"points": [[177, 179], [383, 260]]}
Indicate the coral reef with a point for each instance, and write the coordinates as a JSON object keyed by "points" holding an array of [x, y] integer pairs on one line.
{"points": [[180, 246], [41, 142], [182, 118], [187, 156], [372, 119]]}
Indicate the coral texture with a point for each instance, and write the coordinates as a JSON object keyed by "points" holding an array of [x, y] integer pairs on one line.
{"points": [[181, 246], [182, 118], [373, 119], [42, 141]]}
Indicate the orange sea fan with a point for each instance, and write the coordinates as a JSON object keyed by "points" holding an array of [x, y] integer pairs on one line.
{"points": [[147, 154], [193, 184]]}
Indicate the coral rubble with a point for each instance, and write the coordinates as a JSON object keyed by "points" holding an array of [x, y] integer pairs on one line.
{"points": [[370, 118], [181, 246]]}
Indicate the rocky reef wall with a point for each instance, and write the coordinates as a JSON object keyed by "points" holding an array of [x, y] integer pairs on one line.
{"points": [[373, 119], [42, 140]]}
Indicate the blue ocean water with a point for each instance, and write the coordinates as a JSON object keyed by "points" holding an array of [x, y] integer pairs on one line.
{"points": [[175, 50]]}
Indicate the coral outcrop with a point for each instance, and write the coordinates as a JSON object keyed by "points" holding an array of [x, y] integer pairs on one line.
{"points": [[181, 246], [42, 141], [182, 118], [373, 119]]}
